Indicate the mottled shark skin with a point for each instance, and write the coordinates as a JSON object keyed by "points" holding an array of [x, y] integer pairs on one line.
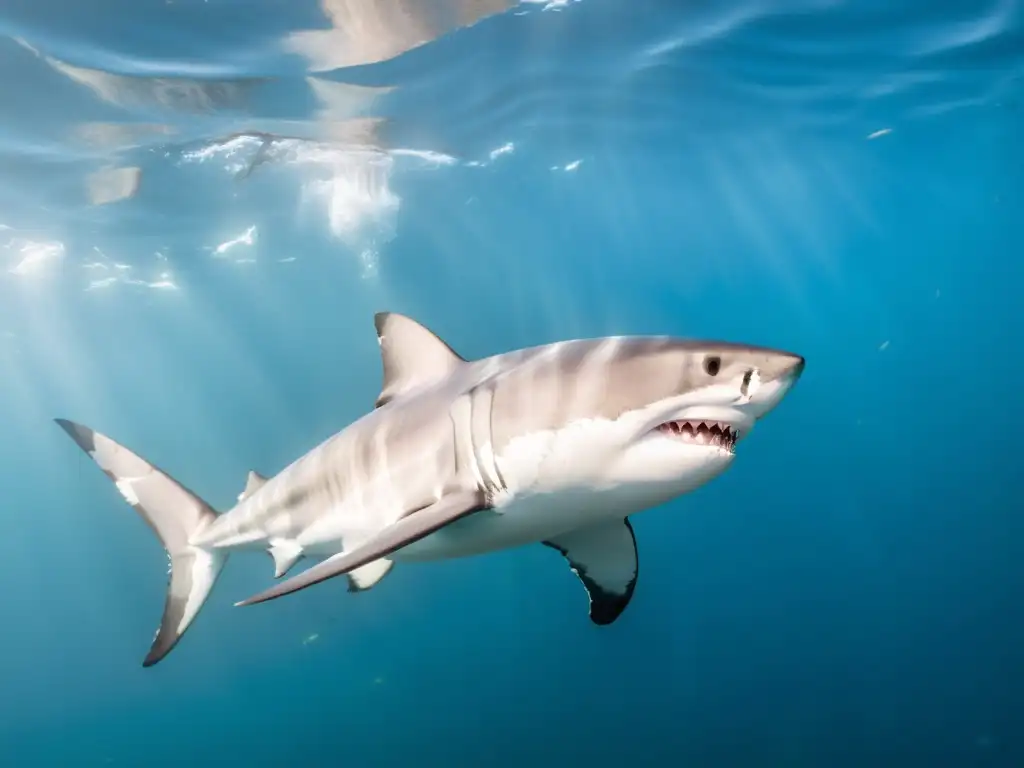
{"points": [[556, 444]]}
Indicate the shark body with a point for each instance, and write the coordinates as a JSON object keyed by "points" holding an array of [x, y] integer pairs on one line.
{"points": [[556, 444]]}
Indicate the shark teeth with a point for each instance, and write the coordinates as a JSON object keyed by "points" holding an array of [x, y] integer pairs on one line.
{"points": [[712, 433]]}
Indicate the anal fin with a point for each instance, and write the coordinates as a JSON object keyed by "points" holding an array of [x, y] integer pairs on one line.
{"points": [[366, 576], [285, 554], [604, 557]]}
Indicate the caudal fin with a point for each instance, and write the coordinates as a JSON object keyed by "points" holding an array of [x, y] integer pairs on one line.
{"points": [[175, 514]]}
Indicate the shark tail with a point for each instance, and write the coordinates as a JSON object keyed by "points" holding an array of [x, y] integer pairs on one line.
{"points": [[175, 514]]}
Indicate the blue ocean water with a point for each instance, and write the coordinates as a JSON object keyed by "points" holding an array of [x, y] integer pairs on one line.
{"points": [[202, 204]]}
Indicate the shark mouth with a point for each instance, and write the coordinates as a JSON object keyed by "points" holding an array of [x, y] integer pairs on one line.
{"points": [[713, 433]]}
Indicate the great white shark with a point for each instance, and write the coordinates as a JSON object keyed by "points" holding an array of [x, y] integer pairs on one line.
{"points": [[556, 444]]}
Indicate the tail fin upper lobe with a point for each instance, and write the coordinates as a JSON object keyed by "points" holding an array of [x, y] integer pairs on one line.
{"points": [[175, 514]]}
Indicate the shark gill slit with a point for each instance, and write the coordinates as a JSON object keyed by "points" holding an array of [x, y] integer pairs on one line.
{"points": [[490, 439], [481, 402]]}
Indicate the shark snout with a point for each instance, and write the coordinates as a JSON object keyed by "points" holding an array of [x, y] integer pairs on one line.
{"points": [[773, 388], [796, 367]]}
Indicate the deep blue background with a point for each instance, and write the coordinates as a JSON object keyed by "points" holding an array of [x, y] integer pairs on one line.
{"points": [[847, 595]]}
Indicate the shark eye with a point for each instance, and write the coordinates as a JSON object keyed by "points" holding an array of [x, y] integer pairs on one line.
{"points": [[712, 365]]}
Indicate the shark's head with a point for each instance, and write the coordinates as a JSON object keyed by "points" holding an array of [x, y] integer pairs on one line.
{"points": [[695, 403], [644, 418]]}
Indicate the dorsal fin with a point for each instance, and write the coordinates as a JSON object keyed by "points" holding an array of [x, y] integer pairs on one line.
{"points": [[253, 483], [413, 356]]}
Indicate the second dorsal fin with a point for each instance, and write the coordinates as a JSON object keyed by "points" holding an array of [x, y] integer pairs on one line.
{"points": [[253, 483], [413, 356]]}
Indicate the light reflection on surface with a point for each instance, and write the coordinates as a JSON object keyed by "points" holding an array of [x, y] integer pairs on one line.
{"points": [[369, 31]]}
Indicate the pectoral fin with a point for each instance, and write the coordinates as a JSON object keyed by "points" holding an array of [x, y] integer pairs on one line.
{"points": [[604, 556], [411, 528]]}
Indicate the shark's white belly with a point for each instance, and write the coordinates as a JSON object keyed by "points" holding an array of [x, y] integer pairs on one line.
{"points": [[528, 519], [524, 521]]}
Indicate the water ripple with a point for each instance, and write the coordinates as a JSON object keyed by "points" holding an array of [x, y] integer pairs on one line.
{"points": [[113, 105]]}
